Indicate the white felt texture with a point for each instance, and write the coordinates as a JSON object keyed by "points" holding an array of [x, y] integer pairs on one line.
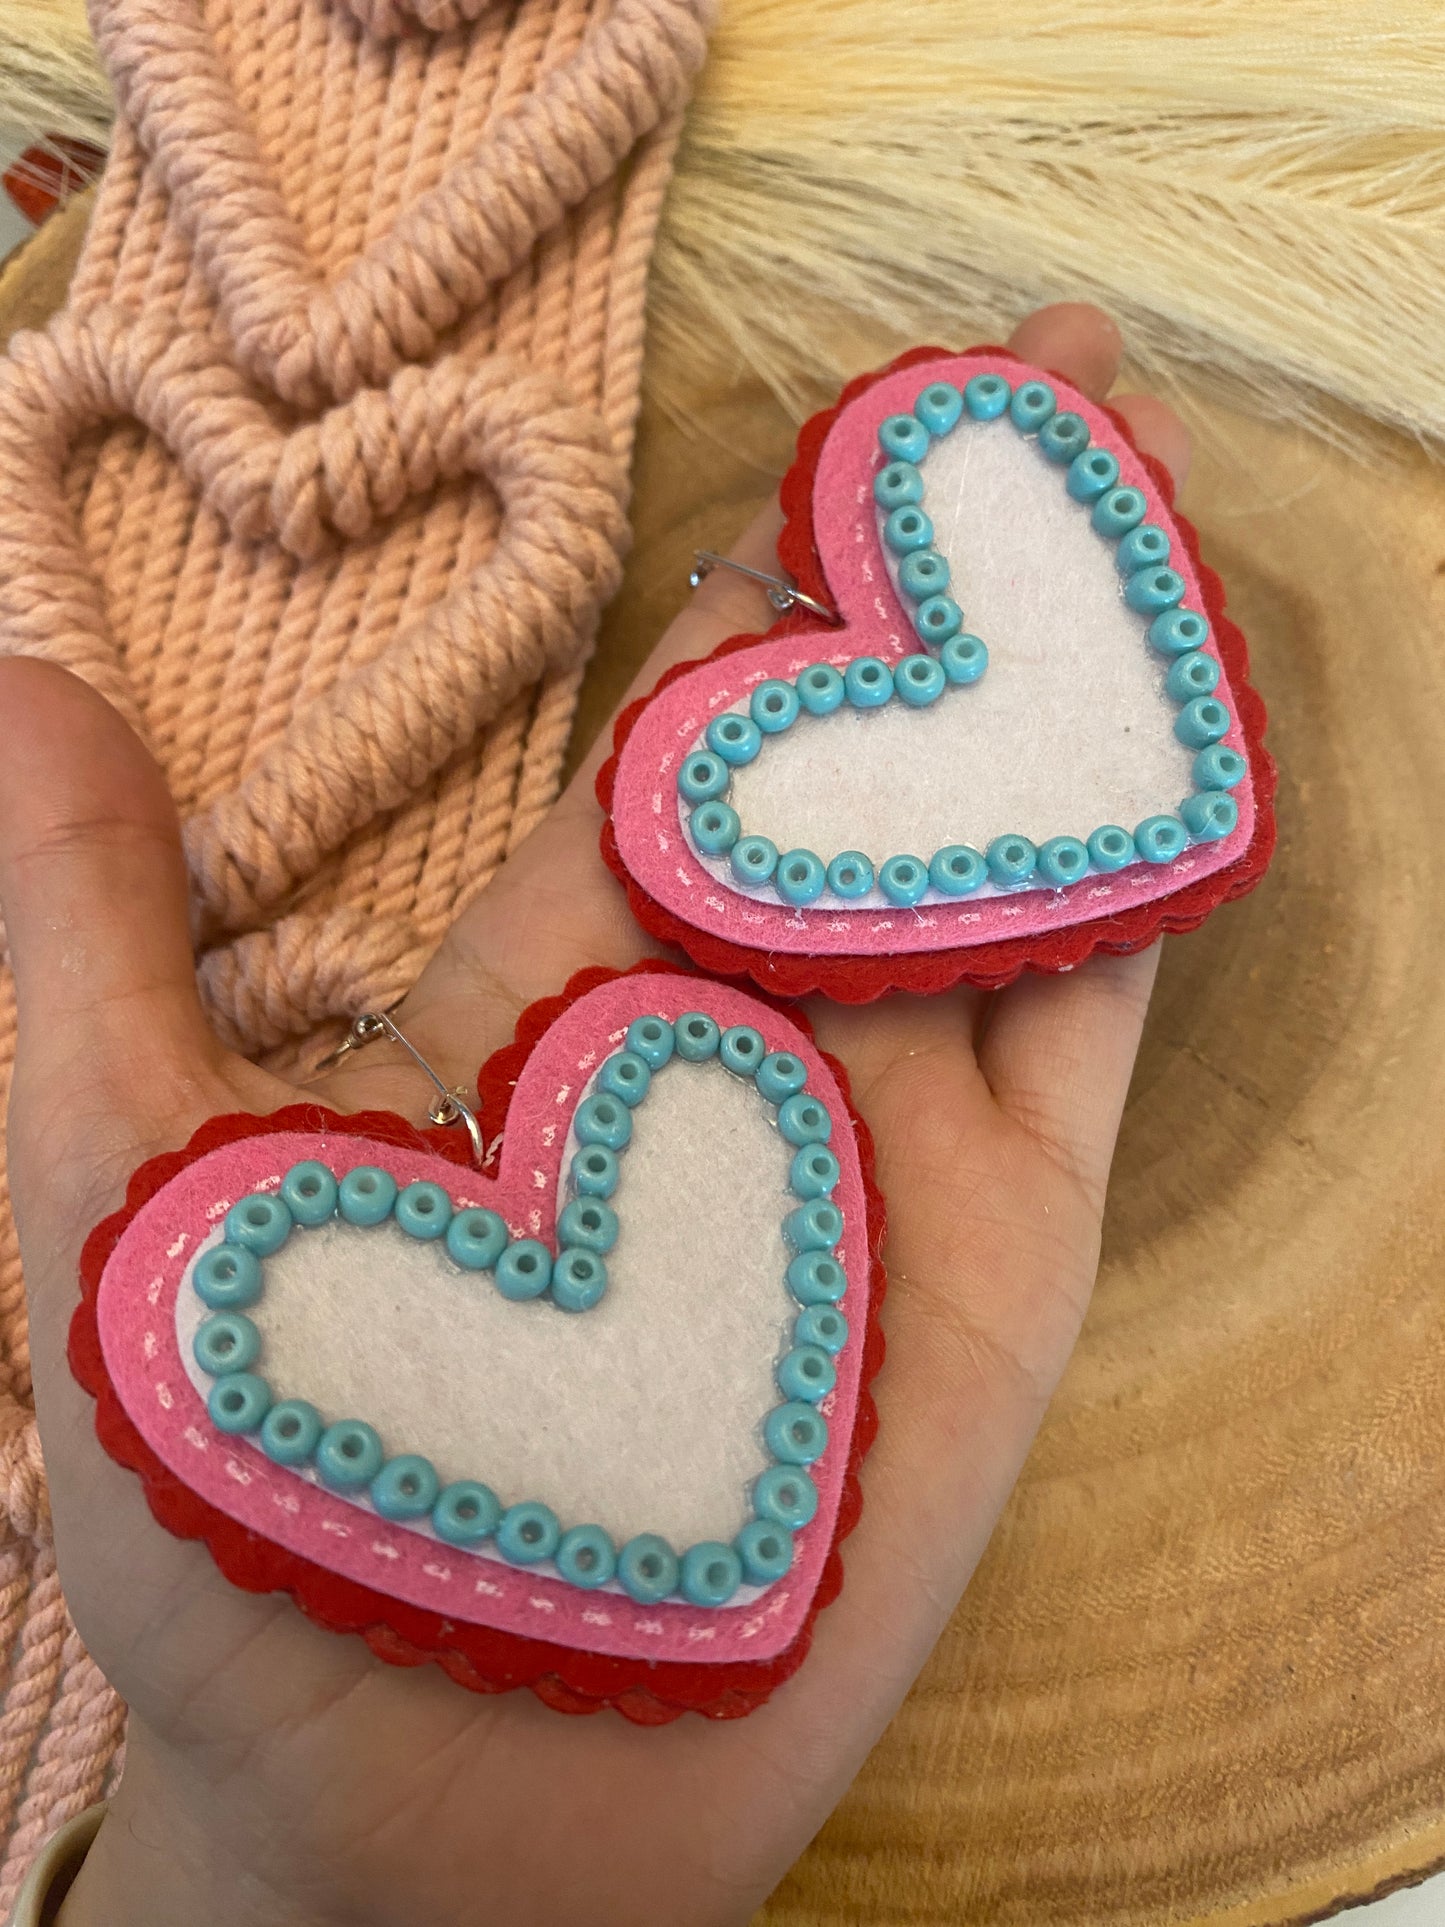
{"points": [[1069, 728], [642, 1415]]}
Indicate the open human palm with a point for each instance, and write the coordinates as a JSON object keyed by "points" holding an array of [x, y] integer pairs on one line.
{"points": [[278, 1773]]}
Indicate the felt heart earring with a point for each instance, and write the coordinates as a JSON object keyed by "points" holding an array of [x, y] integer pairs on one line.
{"points": [[1030, 735], [584, 1413]]}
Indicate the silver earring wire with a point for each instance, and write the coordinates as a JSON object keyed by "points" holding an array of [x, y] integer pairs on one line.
{"points": [[447, 1107]]}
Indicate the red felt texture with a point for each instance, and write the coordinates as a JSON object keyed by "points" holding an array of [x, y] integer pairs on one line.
{"points": [[479, 1658], [861, 979]]}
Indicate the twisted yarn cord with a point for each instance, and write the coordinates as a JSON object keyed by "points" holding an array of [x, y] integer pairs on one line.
{"points": [[321, 480]]}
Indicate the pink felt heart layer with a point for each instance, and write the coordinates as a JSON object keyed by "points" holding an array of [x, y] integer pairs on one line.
{"points": [[833, 545], [136, 1320]]}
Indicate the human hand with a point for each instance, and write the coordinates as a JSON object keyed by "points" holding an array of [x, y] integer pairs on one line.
{"points": [[278, 1773]]}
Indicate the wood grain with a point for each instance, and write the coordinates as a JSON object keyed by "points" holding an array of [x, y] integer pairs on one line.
{"points": [[1199, 1675]]}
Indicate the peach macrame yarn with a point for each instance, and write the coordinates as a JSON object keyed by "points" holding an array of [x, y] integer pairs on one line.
{"points": [[321, 479]]}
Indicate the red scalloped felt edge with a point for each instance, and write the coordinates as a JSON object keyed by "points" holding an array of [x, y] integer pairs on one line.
{"points": [[479, 1658], [859, 980]]}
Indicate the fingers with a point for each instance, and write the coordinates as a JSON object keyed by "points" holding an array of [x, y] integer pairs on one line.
{"points": [[92, 880], [1074, 340]]}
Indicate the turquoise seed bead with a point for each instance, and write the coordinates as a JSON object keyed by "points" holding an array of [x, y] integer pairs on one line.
{"points": [[785, 1494], [813, 1173], [1152, 590], [1146, 547], [603, 1119], [821, 689], [963, 659], [742, 1049], [647, 1568], [1159, 839], [815, 1226], [1111, 848], [652, 1039], [702, 777], [737, 739], [956, 870], [1193, 675], [697, 1037], [710, 1575], [1119, 511], [1219, 767], [906, 530], [424, 1211], [595, 1172], [816, 1278], [1209, 815], [259, 1224], [986, 397], [806, 1373], [919, 680], [626, 1076], [753, 859], [349, 1454], [586, 1557], [227, 1278], [850, 875], [903, 880], [803, 1120], [800, 877], [868, 682], [1032, 405], [366, 1195], [1064, 437], [1011, 860], [714, 828], [903, 438], [924, 573], [309, 1192], [774, 706], [588, 1225], [227, 1342], [290, 1431], [579, 1280], [1202, 721], [1091, 475], [524, 1270], [795, 1434], [405, 1487], [766, 1551], [897, 485], [239, 1401], [1062, 860], [937, 618], [781, 1076], [528, 1532], [465, 1513], [821, 1325], [1178, 631], [939, 407], [476, 1238]]}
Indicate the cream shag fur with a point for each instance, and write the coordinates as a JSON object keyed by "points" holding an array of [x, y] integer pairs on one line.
{"points": [[50, 80], [1255, 188]]}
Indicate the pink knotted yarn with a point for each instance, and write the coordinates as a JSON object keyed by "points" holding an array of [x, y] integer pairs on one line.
{"points": [[321, 479]]}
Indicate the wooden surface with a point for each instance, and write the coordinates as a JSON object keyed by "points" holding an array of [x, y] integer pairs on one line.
{"points": [[1199, 1678]]}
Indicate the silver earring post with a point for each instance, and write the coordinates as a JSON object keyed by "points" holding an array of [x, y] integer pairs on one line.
{"points": [[447, 1107], [783, 593]]}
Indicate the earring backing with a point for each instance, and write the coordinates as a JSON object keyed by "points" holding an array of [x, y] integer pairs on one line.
{"points": [[449, 1106], [783, 593]]}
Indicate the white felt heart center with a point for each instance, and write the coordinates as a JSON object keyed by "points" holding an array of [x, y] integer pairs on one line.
{"points": [[1069, 729], [644, 1415]]}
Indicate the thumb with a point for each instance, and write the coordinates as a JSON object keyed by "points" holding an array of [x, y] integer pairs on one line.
{"points": [[92, 884]]}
